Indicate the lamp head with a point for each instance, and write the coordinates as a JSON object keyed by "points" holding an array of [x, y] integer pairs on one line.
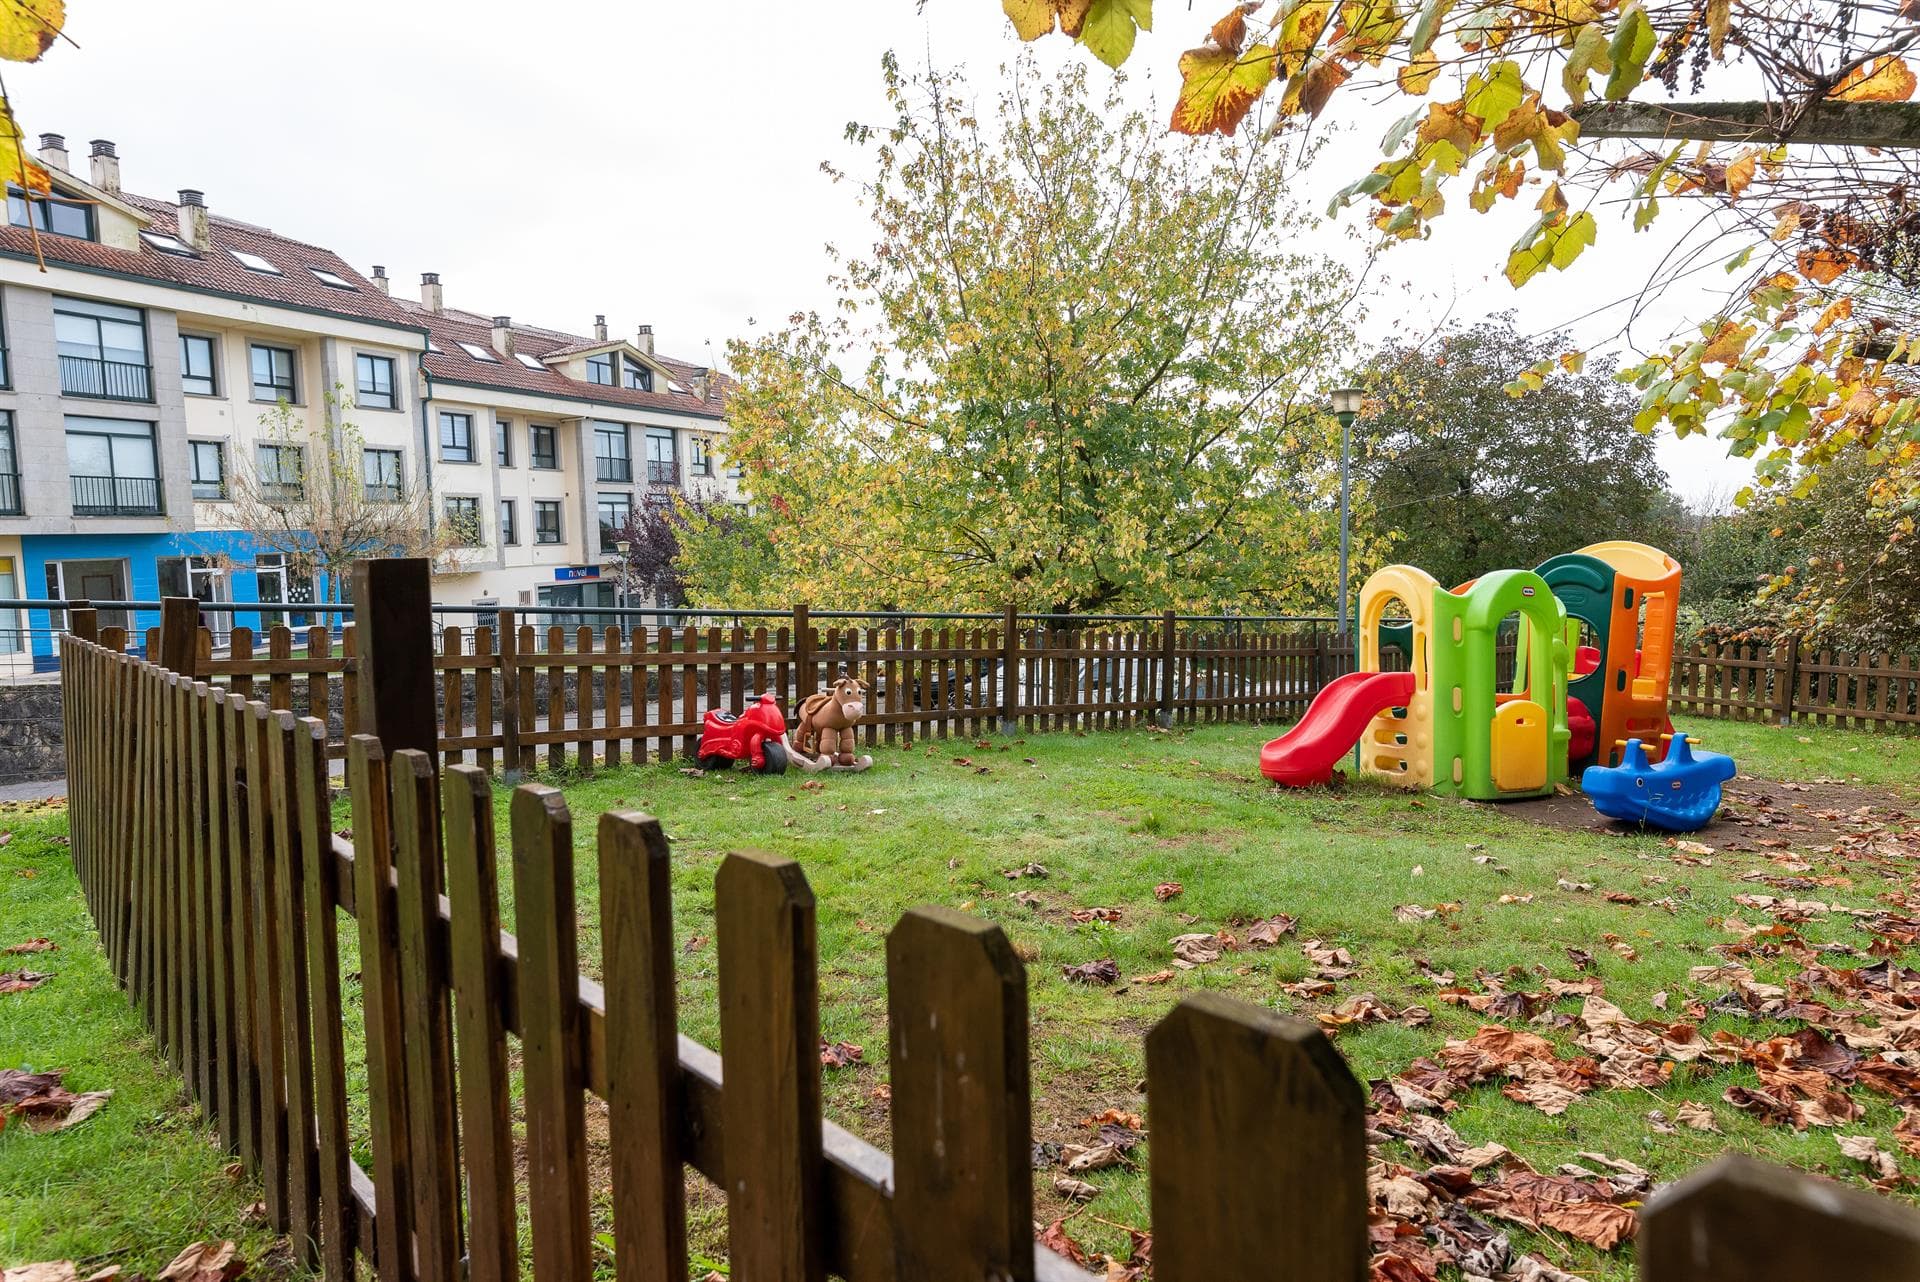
{"points": [[621, 546], [1346, 404]]}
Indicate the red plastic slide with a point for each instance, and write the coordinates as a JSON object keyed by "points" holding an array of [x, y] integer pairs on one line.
{"points": [[1306, 755]]}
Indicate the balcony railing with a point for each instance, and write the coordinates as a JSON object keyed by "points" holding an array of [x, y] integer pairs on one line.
{"points": [[10, 494], [105, 380], [384, 494], [282, 491], [612, 469], [663, 473], [116, 496]]}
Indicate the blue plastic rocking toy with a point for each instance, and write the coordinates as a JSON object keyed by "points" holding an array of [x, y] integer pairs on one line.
{"points": [[1681, 794]]}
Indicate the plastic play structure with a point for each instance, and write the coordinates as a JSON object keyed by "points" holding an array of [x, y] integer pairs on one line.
{"points": [[1680, 794], [1594, 649]]}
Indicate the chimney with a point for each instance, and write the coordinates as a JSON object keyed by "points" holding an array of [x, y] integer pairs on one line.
{"points": [[600, 329], [503, 335], [106, 165], [645, 341], [702, 382], [380, 280], [430, 296], [192, 218], [53, 151]]}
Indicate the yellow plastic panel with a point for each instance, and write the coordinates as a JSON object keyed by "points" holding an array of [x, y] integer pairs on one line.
{"points": [[1519, 761]]}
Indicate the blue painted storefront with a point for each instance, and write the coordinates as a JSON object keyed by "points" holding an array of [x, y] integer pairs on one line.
{"points": [[141, 554]]}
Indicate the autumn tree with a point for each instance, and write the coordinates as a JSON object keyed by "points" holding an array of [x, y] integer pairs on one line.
{"points": [[652, 565], [1466, 479], [1074, 372], [1803, 195], [307, 495]]}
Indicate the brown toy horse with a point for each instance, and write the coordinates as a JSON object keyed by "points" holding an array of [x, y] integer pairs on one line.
{"points": [[825, 732]]}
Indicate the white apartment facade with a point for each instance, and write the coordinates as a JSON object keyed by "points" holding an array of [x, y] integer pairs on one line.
{"points": [[137, 367]]}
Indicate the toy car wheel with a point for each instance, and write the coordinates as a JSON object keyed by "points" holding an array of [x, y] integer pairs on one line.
{"points": [[714, 762], [776, 755]]}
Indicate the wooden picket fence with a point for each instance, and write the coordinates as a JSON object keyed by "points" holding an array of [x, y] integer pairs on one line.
{"points": [[204, 836], [1787, 683], [525, 697]]}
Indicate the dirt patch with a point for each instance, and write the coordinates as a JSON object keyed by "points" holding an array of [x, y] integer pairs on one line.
{"points": [[1755, 814]]}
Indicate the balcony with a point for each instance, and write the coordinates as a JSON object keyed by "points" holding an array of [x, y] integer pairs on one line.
{"points": [[105, 380], [116, 496], [384, 494], [282, 491], [612, 469], [10, 494], [663, 472]]}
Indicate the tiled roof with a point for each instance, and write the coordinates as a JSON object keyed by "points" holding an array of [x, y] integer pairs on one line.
{"points": [[296, 285], [218, 270], [451, 327]]}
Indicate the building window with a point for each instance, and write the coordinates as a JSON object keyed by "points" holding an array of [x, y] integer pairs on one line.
{"points": [[600, 369], [13, 638], [282, 472], [503, 441], [6, 360], [114, 467], [373, 382], [544, 444], [208, 461], [639, 377], [615, 511], [278, 581], [456, 437], [699, 456], [9, 469], [509, 524], [546, 520], [662, 469], [103, 350], [196, 366], [273, 374], [380, 469], [51, 214], [463, 521], [611, 459]]}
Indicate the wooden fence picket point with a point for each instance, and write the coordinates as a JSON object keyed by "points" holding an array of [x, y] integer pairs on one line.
{"points": [[486, 1124], [319, 872], [380, 1000], [553, 1078], [770, 1016], [296, 1035], [962, 1121], [1746, 1221], [434, 1172], [261, 869], [1259, 1148], [238, 775], [642, 1050]]}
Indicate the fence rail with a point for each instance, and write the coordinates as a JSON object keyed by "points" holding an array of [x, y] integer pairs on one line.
{"points": [[204, 837], [1786, 683]]}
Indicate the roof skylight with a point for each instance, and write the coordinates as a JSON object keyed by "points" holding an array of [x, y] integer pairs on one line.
{"points": [[254, 263], [479, 353], [531, 362], [334, 279], [166, 244]]}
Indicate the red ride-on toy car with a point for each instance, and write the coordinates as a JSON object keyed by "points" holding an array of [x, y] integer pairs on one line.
{"points": [[757, 736]]}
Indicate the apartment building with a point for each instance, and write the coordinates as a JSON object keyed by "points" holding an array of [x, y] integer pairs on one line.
{"points": [[146, 347]]}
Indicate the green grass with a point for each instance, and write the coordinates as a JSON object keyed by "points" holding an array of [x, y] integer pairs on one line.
{"points": [[141, 1178], [1110, 815]]}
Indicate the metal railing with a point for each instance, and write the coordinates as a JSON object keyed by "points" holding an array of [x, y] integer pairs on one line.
{"points": [[10, 494], [105, 380], [116, 496], [612, 469], [663, 473]]}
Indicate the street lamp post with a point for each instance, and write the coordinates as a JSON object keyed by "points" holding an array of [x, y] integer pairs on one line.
{"points": [[1346, 408]]}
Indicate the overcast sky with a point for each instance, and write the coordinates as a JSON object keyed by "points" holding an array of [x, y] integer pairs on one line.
{"points": [[658, 161]]}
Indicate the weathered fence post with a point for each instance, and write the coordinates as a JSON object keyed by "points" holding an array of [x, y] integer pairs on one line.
{"points": [[962, 1115], [83, 621], [1788, 676], [1010, 670], [393, 652], [1169, 654], [1703, 1227], [508, 629], [803, 683], [179, 634], [1231, 1087]]}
